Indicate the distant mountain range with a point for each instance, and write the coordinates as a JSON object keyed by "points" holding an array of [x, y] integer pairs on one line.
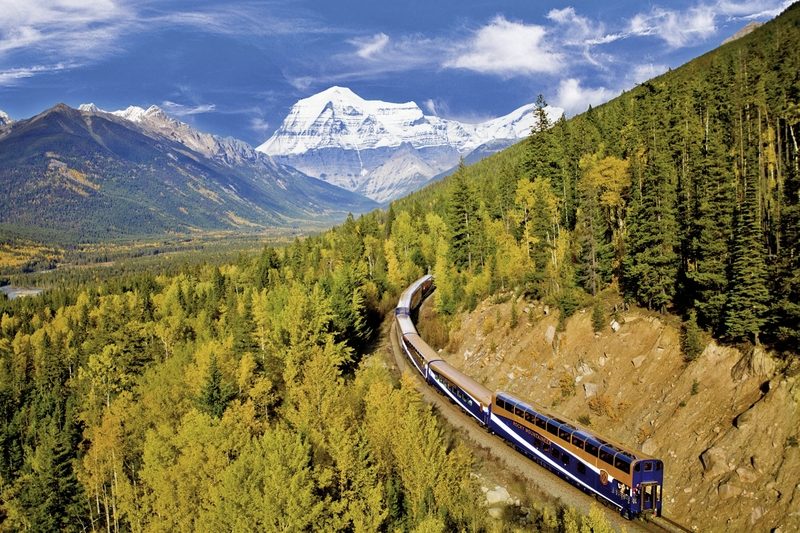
{"points": [[385, 150], [92, 174]]}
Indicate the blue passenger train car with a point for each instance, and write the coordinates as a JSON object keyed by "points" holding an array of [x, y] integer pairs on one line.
{"points": [[629, 481], [462, 390]]}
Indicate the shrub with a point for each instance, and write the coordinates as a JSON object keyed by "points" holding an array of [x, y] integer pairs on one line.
{"points": [[598, 318], [691, 338]]}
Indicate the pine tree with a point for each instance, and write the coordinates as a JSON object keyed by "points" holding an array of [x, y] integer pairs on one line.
{"points": [[462, 219], [651, 266], [748, 295], [711, 233], [216, 394]]}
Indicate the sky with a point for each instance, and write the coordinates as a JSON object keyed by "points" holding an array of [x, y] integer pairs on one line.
{"points": [[236, 67]]}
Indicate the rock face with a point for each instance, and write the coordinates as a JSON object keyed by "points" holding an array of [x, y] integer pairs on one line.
{"points": [[381, 149]]}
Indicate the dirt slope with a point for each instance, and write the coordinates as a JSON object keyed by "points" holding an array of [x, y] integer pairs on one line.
{"points": [[725, 425]]}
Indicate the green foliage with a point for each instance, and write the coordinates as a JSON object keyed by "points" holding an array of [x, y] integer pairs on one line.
{"points": [[598, 317], [215, 394], [692, 343]]}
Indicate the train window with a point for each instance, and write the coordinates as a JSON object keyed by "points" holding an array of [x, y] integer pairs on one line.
{"points": [[622, 464], [576, 441], [638, 467], [658, 465], [552, 428], [606, 457], [648, 467], [564, 434], [529, 417], [565, 458], [519, 412], [591, 449], [541, 422], [581, 468], [545, 446], [500, 403]]}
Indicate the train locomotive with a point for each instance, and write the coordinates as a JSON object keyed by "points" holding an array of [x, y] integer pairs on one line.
{"points": [[622, 478]]}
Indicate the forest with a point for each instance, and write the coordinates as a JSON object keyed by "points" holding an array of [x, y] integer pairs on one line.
{"points": [[239, 396]]}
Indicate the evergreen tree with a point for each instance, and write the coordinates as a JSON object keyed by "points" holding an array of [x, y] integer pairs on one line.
{"points": [[748, 295], [651, 266], [215, 394], [707, 270], [462, 219]]}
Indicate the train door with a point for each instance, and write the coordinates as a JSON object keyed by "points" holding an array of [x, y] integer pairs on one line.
{"points": [[649, 496]]}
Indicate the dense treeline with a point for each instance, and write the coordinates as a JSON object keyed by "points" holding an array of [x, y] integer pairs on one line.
{"points": [[685, 190], [221, 399], [228, 397]]}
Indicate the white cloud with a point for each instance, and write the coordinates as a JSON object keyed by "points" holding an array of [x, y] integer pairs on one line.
{"points": [[676, 28], [13, 75], [575, 99], [752, 9], [507, 48], [430, 106], [368, 48], [63, 26], [181, 110], [259, 125]]}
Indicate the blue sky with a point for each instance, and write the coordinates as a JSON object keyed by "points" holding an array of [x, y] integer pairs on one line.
{"points": [[236, 67]]}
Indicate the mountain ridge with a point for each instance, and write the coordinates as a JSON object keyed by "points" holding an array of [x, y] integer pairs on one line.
{"points": [[341, 138], [98, 174]]}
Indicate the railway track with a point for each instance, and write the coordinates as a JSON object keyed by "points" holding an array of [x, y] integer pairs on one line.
{"points": [[543, 479]]}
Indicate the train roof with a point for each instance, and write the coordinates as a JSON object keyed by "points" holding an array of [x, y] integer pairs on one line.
{"points": [[405, 297], [577, 429], [466, 383], [406, 324], [427, 353]]}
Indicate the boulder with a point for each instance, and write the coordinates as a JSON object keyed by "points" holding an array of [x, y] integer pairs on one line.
{"points": [[756, 514], [498, 495], [591, 389], [615, 326], [714, 462], [746, 474], [637, 361], [728, 490], [550, 334], [649, 447]]}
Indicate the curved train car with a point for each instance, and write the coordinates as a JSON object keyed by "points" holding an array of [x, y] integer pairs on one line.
{"points": [[625, 479]]}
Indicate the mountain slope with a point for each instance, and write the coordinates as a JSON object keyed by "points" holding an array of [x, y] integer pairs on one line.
{"points": [[380, 149], [96, 175]]}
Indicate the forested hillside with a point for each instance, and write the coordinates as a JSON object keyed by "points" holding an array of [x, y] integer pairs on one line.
{"points": [[238, 398], [685, 190]]}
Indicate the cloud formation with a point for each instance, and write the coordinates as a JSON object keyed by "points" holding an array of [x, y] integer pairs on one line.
{"points": [[507, 48], [368, 48], [676, 28], [574, 98], [181, 110], [14, 75]]}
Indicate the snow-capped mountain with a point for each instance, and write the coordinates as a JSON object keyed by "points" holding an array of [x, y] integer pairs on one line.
{"points": [[4, 118], [380, 149]]}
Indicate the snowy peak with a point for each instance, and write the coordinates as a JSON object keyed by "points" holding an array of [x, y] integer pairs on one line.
{"points": [[383, 149], [5, 120], [339, 118]]}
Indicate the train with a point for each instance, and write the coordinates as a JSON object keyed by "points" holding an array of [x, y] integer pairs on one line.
{"points": [[617, 475]]}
